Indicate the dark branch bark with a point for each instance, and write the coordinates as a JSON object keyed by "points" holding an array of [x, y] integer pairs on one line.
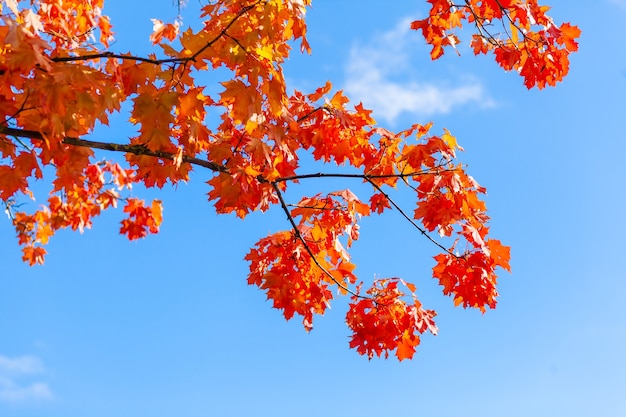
{"points": [[109, 54], [115, 147]]}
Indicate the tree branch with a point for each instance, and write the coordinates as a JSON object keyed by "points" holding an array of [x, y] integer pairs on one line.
{"points": [[115, 147], [109, 54]]}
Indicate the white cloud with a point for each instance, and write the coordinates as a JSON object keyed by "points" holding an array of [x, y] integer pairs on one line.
{"points": [[379, 74], [21, 365], [12, 373], [12, 391]]}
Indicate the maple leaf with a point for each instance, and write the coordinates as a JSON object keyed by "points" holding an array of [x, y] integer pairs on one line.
{"points": [[567, 35], [142, 220], [160, 30], [406, 345], [14, 178], [378, 203], [33, 255]]}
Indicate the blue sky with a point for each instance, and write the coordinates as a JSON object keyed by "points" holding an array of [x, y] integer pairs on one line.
{"points": [[167, 325]]}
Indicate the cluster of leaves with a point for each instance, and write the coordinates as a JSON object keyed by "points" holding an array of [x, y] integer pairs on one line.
{"points": [[519, 33], [59, 80]]}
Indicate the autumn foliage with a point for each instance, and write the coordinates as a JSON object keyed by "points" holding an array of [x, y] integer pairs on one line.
{"points": [[519, 33], [59, 79]]}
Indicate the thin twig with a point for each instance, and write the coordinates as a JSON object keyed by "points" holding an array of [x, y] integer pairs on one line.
{"points": [[109, 54], [306, 245], [409, 219], [364, 177]]}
